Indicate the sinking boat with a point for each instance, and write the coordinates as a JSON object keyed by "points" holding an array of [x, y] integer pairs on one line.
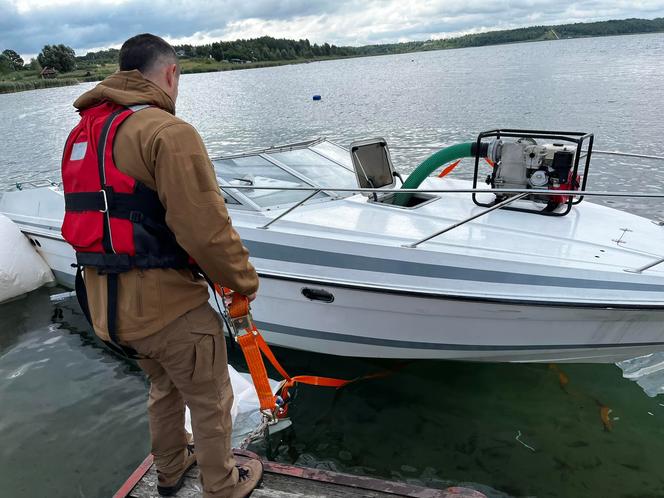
{"points": [[352, 264]]}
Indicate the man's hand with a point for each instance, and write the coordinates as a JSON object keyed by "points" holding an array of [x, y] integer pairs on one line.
{"points": [[251, 297]]}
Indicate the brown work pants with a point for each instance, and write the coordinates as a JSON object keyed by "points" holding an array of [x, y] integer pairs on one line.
{"points": [[188, 364]]}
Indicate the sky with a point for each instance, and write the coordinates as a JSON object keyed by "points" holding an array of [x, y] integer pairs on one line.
{"points": [[85, 25]]}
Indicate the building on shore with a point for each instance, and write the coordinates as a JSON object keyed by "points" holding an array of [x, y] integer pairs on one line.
{"points": [[48, 73]]}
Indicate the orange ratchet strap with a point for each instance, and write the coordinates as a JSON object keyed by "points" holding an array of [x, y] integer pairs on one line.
{"points": [[254, 347]]}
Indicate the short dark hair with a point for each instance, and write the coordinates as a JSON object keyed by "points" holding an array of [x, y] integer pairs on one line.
{"points": [[143, 51]]}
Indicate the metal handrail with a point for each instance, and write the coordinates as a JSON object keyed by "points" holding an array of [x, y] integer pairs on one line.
{"points": [[37, 183], [652, 195], [595, 151], [272, 149], [627, 154], [466, 220], [645, 267], [637, 195], [292, 208]]}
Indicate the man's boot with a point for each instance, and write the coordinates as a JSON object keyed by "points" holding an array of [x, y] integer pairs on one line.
{"points": [[250, 477], [171, 488]]}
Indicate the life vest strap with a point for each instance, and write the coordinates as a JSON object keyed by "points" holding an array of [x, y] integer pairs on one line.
{"points": [[134, 207], [85, 201], [82, 297]]}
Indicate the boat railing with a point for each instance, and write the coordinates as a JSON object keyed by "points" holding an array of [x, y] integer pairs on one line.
{"points": [[46, 182], [498, 205], [650, 195], [508, 196], [595, 151]]}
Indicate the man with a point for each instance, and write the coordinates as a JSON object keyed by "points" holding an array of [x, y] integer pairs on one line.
{"points": [[142, 202]]}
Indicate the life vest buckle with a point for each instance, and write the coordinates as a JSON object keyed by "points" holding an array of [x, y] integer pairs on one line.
{"points": [[103, 195], [136, 216]]}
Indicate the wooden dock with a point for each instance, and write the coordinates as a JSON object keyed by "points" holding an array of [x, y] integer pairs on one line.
{"points": [[289, 481]]}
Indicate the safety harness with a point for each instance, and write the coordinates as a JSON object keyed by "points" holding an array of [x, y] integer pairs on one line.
{"points": [[114, 222]]}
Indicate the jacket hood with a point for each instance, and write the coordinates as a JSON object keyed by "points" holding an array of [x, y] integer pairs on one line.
{"points": [[126, 88]]}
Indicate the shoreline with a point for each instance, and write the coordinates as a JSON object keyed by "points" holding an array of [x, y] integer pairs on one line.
{"points": [[189, 66], [35, 84], [197, 66]]}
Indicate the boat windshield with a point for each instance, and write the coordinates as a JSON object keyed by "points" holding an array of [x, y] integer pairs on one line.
{"points": [[336, 153], [323, 165], [318, 169], [254, 171]]}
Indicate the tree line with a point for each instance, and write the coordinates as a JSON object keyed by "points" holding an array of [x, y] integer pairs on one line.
{"points": [[531, 33], [266, 48], [59, 57], [261, 49], [271, 49]]}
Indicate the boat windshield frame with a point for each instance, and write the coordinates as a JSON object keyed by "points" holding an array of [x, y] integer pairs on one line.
{"points": [[245, 202]]}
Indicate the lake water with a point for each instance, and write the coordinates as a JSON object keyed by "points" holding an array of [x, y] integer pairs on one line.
{"points": [[73, 419]]}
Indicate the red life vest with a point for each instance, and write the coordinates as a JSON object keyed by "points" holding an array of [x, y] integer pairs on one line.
{"points": [[114, 222]]}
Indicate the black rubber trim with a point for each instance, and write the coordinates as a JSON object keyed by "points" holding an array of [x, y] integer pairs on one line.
{"points": [[483, 147]]}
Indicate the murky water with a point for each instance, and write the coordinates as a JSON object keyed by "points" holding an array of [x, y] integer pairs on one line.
{"points": [[73, 419]]}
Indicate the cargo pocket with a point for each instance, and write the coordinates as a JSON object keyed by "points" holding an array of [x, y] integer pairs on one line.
{"points": [[204, 358], [205, 332]]}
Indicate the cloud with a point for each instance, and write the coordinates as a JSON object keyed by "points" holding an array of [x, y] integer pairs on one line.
{"points": [[27, 25]]}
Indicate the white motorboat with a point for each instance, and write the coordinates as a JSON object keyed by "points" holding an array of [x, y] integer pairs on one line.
{"points": [[452, 271]]}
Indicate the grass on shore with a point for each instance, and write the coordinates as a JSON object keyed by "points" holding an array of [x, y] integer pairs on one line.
{"points": [[27, 79], [19, 81], [36, 84]]}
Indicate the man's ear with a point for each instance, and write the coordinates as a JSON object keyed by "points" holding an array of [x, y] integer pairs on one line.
{"points": [[171, 75]]}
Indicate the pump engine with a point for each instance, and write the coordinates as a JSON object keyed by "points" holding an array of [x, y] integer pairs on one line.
{"points": [[521, 163]]}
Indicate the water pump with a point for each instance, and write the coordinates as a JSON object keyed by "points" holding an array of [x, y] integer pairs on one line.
{"points": [[527, 164], [538, 160]]}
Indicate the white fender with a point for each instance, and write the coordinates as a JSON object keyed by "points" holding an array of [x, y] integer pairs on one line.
{"points": [[22, 269]]}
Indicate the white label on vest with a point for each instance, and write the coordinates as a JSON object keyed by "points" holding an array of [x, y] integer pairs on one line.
{"points": [[78, 151]]}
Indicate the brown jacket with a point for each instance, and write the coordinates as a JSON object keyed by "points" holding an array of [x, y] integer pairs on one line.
{"points": [[167, 155]]}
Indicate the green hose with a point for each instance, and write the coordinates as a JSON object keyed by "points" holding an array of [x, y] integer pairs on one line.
{"points": [[435, 161], [432, 163]]}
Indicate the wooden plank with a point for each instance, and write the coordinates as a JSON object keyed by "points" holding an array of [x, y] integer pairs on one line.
{"points": [[135, 477], [288, 481]]}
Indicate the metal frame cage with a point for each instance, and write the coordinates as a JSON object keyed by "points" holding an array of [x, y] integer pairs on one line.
{"points": [[575, 137]]}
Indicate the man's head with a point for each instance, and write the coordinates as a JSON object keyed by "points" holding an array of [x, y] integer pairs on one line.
{"points": [[155, 59]]}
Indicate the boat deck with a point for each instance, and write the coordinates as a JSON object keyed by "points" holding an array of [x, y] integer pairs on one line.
{"points": [[288, 481]]}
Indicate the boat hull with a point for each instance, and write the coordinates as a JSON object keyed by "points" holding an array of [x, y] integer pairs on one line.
{"points": [[331, 291], [385, 323]]}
